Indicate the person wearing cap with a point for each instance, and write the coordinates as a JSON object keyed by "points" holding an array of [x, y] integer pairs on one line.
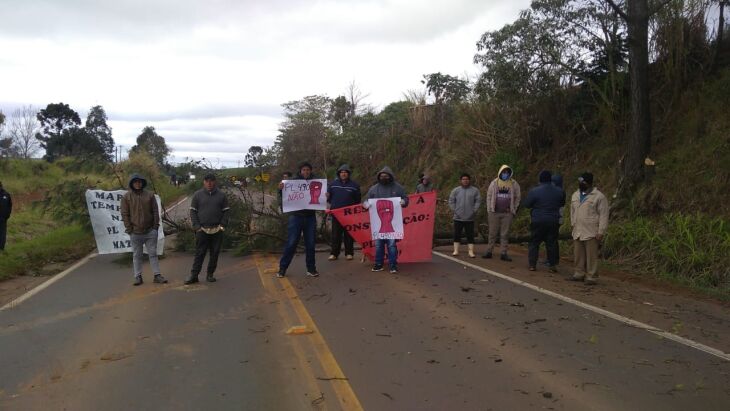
{"points": [[300, 222], [425, 186], [386, 187], [6, 208], [544, 202], [141, 218], [209, 213], [464, 202], [342, 192], [589, 218], [503, 201]]}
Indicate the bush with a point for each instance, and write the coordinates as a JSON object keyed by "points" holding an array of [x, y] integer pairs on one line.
{"points": [[693, 249]]}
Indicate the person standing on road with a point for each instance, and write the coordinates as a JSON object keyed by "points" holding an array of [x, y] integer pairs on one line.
{"points": [[300, 222], [141, 219], [589, 218], [342, 192], [545, 202], [6, 208], [425, 186], [209, 213], [503, 201], [286, 175], [464, 202], [386, 187]]}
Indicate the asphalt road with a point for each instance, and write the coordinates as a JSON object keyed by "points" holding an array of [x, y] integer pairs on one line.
{"points": [[437, 336]]}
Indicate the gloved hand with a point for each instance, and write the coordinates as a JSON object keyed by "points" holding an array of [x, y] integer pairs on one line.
{"points": [[402, 202], [365, 204]]}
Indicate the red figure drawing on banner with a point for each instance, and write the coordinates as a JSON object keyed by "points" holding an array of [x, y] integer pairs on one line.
{"points": [[315, 189], [386, 214]]}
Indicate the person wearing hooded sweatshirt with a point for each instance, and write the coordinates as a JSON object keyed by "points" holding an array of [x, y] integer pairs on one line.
{"points": [[386, 187], [544, 201], [141, 219], [558, 182], [209, 212], [6, 208], [464, 201], [342, 192], [503, 200], [300, 222], [589, 218], [425, 186]]}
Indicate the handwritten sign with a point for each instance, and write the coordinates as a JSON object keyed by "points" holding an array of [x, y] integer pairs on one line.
{"points": [[418, 221], [386, 218], [106, 220], [304, 195]]}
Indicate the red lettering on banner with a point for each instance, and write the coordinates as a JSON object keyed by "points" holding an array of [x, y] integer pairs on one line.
{"points": [[418, 221]]}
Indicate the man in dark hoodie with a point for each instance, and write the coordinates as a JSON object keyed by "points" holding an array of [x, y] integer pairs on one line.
{"points": [[141, 219], [300, 222], [386, 187], [209, 215], [6, 208], [545, 202], [342, 192]]}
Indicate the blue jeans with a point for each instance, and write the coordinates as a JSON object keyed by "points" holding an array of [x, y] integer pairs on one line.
{"points": [[392, 253], [296, 226]]}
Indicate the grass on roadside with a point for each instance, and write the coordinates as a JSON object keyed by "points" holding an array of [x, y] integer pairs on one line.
{"points": [[688, 249], [57, 245]]}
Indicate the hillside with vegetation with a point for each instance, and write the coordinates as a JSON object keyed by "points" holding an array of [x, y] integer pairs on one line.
{"points": [[559, 91]]}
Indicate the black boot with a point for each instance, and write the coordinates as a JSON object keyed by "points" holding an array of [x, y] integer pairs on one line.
{"points": [[488, 254], [505, 257], [209, 278], [192, 279]]}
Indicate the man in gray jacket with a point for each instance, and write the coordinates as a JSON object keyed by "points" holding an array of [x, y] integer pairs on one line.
{"points": [[386, 187], [209, 215], [464, 202], [141, 219]]}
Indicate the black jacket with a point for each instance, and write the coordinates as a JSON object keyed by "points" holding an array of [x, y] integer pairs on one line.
{"points": [[6, 204], [209, 209], [545, 201]]}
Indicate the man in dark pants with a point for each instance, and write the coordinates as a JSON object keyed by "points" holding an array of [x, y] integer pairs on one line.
{"points": [[342, 192], [6, 208], [209, 215], [545, 202], [300, 222]]}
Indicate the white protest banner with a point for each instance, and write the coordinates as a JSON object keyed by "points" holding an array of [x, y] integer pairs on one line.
{"points": [[106, 219], [304, 195], [386, 218]]}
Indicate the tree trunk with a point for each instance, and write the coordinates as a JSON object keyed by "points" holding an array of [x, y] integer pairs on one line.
{"points": [[720, 32], [639, 138]]}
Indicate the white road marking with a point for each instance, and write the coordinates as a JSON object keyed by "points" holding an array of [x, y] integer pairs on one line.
{"points": [[42, 286], [597, 310]]}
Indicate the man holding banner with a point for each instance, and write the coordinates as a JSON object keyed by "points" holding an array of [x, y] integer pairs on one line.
{"points": [[300, 198], [141, 219], [386, 219], [342, 192]]}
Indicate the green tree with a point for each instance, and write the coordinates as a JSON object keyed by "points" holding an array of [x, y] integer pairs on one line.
{"points": [[152, 143], [61, 135], [253, 156], [97, 127], [304, 132], [446, 88]]}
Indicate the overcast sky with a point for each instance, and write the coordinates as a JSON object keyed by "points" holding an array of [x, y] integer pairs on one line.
{"points": [[211, 76]]}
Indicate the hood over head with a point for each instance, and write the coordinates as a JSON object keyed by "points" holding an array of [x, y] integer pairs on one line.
{"points": [[344, 167], [387, 171], [136, 176], [545, 177], [558, 180], [503, 168]]}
